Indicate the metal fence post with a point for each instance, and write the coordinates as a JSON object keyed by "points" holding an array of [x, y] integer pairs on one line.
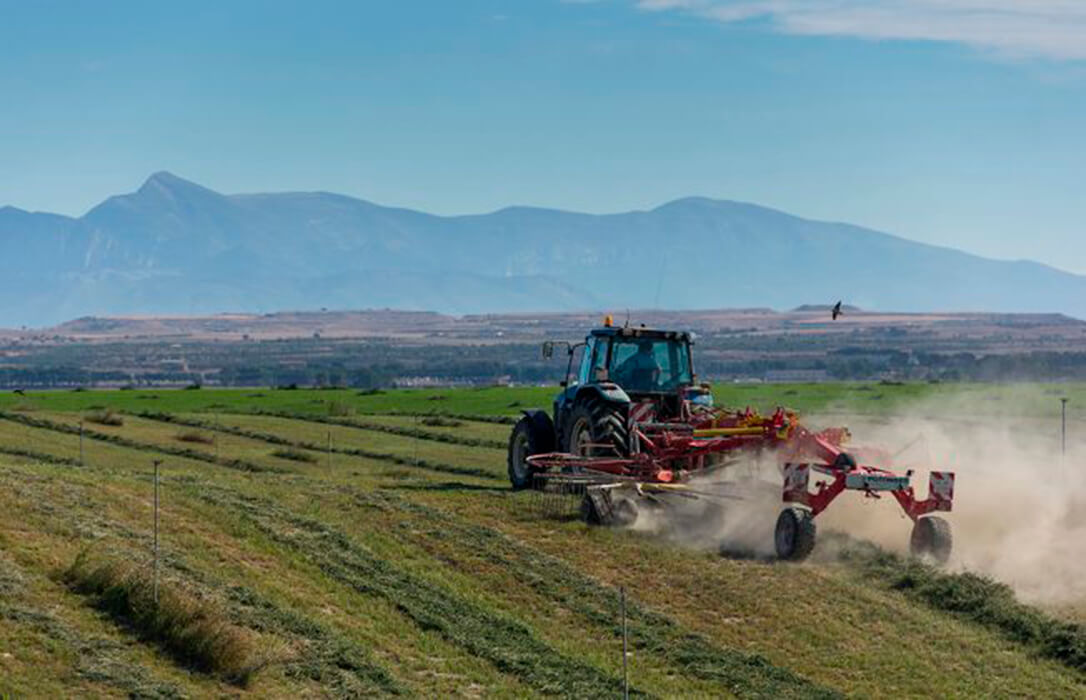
{"points": [[625, 653], [157, 463], [1063, 426]]}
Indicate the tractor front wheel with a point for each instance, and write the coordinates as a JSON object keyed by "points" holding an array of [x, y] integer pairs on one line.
{"points": [[932, 538], [795, 534]]}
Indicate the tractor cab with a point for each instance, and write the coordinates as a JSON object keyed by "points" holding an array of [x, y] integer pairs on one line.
{"points": [[611, 372], [628, 364]]}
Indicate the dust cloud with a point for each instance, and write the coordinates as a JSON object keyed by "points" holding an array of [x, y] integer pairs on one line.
{"points": [[1019, 504]]}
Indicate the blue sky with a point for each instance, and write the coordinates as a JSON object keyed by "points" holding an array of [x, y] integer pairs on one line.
{"points": [[957, 122]]}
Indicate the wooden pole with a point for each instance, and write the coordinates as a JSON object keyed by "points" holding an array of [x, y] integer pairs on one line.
{"points": [[81, 462]]}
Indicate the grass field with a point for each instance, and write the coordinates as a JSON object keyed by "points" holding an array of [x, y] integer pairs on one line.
{"points": [[337, 543], [1033, 400]]}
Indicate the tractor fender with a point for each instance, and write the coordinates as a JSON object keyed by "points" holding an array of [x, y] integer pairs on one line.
{"points": [[543, 436], [606, 391]]}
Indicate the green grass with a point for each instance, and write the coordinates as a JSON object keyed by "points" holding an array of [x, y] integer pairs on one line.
{"points": [[650, 634], [165, 449], [463, 431], [453, 437], [404, 565], [1026, 400], [296, 435], [975, 598], [511, 646]]}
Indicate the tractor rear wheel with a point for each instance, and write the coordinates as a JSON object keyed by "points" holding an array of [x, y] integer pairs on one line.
{"points": [[795, 534], [521, 447], [932, 538], [597, 428]]}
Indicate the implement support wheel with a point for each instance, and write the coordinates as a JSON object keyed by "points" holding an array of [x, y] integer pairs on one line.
{"points": [[932, 538], [795, 534]]}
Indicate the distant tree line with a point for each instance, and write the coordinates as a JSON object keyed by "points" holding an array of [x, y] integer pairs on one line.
{"points": [[379, 364]]}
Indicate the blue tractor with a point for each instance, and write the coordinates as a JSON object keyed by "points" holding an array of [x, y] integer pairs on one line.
{"points": [[618, 368]]}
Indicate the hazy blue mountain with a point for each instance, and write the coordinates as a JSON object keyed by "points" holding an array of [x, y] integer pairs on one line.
{"points": [[176, 247]]}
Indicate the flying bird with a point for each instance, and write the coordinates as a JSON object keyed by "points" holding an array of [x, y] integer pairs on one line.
{"points": [[836, 310]]}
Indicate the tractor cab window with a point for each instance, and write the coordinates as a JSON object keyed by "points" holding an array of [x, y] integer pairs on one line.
{"points": [[584, 367], [646, 364]]}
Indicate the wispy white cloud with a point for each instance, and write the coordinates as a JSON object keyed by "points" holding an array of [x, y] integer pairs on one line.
{"points": [[1053, 29]]}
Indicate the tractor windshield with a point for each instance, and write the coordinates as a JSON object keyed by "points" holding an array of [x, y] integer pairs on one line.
{"points": [[647, 364]]}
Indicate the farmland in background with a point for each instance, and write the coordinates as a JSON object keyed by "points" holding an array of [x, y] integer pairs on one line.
{"points": [[380, 349], [344, 543]]}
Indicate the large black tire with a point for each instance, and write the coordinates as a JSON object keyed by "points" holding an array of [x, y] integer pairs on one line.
{"points": [[599, 422], [794, 536], [932, 538], [522, 445]]}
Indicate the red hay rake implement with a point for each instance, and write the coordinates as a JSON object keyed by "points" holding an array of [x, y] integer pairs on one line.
{"points": [[664, 455]]}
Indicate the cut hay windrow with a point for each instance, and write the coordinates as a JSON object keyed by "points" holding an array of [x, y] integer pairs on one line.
{"points": [[273, 439], [972, 597], [402, 431], [97, 659], [509, 645], [474, 417], [39, 456], [650, 632], [192, 630], [345, 668], [197, 455]]}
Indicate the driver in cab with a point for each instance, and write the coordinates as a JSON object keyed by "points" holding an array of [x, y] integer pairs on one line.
{"points": [[640, 371]]}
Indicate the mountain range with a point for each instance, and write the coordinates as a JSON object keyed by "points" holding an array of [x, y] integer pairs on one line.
{"points": [[175, 247]]}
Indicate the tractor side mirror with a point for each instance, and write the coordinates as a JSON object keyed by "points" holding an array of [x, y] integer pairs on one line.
{"points": [[548, 349]]}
